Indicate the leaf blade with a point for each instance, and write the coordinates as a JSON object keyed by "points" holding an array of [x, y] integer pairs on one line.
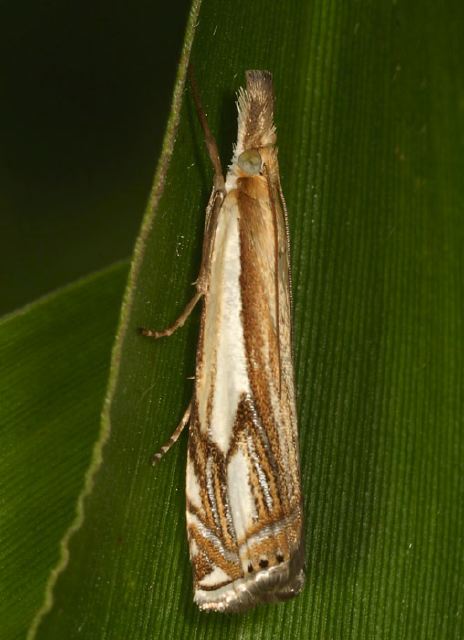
{"points": [[376, 239], [55, 358]]}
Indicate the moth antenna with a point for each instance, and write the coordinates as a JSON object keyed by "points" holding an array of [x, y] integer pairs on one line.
{"points": [[209, 138]]}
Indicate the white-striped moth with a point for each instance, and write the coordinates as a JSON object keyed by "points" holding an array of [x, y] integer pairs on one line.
{"points": [[244, 508]]}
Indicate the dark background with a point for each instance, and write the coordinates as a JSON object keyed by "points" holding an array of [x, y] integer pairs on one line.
{"points": [[85, 90]]}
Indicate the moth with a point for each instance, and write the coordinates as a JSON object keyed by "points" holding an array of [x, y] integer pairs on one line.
{"points": [[243, 495]]}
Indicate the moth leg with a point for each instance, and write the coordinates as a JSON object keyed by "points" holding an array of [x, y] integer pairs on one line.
{"points": [[201, 283], [151, 333], [212, 213], [173, 439]]}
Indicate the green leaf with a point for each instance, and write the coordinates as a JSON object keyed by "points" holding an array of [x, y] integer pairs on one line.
{"points": [[55, 357], [369, 110]]}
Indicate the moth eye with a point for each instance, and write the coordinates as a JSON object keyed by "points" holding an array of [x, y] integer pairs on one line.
{"points": [[250, 162]]}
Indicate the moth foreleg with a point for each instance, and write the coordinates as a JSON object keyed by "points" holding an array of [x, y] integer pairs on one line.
{"points": [[173, 439], [201, 283], [151, 333]]}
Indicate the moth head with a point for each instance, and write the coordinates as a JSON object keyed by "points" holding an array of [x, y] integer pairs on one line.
{"points": [[250, 162], [255, 151], [255, 112]]}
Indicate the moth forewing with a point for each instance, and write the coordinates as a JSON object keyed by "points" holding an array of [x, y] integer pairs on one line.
{"points": [[244, 512]]}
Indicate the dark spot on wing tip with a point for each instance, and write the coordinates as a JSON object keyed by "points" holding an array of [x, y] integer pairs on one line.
{"points": [[280, 557], [250, 568], [263, 563]]}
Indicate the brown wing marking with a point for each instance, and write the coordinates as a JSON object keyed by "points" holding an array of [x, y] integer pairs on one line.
{"points": [[266, 339], [215, 539]]}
